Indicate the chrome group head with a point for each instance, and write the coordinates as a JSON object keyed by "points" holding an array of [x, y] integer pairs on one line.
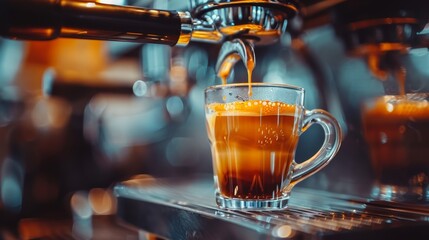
{"points": [[261, 21]]}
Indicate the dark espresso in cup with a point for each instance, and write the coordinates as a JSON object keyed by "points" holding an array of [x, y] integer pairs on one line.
{"points": [[396, 129], [253, 145]]}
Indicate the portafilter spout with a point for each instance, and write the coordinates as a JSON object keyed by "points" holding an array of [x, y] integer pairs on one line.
{"points": [[230, 53], [207, 20]]}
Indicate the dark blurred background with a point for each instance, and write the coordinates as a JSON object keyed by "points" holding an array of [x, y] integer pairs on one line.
{"points": [[78, 116]]}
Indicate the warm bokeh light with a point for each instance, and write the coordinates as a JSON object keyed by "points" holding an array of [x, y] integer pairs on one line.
{"points": [[102, 201], [284, 231]]}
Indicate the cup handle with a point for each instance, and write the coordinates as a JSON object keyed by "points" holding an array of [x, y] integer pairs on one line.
{"points": [[327, 151]]}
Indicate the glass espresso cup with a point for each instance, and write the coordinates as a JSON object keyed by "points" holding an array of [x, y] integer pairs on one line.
{"points": [[396, 129], [253, 141]]}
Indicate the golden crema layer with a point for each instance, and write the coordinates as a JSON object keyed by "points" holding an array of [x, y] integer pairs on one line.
{"points": [[402, 107], [258, 107]]}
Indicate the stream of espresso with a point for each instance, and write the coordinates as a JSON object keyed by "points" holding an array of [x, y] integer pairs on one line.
{"points": [[250, 65]]}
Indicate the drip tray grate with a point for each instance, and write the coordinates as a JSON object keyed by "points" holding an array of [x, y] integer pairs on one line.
{"points": [[186, 209]]}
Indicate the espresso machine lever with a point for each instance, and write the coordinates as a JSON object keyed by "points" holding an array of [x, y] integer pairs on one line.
{"points": [[206, 21], [50, 19]]}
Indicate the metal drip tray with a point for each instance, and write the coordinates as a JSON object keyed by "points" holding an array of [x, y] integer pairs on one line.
{"points": [[185, 209]]}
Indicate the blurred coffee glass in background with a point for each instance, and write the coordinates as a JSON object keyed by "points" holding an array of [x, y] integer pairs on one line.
{"points": [[396, 129]]}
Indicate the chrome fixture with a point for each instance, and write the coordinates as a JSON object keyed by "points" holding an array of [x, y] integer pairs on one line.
{"points": [[263, 21], [230, 53]]}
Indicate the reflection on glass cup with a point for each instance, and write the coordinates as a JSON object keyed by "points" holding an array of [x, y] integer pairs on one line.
{"points": [[253, 141], [396, 129]]}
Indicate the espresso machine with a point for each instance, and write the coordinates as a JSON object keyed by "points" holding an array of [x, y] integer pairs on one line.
{"points": [[340, 51]]}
